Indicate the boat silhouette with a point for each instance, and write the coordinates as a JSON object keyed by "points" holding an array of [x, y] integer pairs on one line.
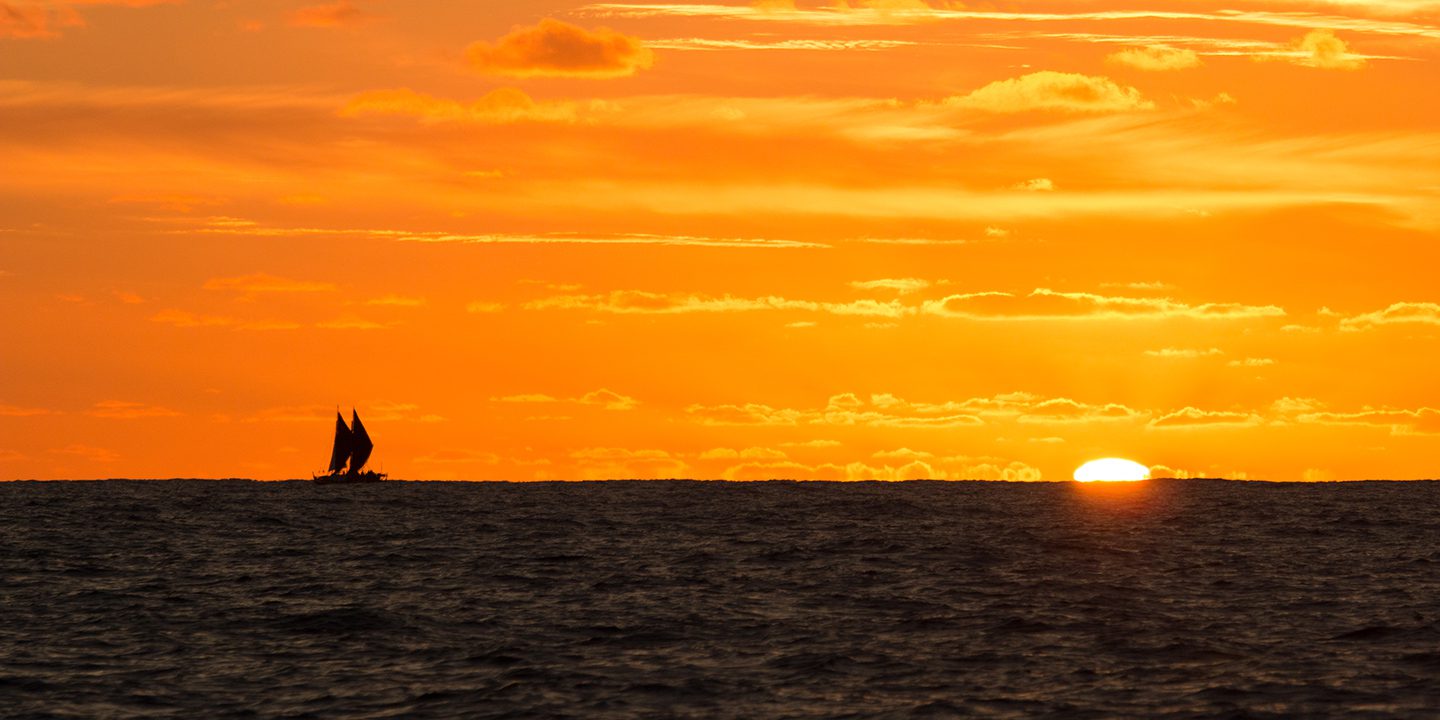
{"points": [[352, 448]]}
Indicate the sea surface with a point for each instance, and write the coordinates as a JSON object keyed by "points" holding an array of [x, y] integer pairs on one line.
{"points": [[231, 599]]}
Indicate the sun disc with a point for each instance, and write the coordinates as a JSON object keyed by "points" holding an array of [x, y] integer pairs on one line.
{"points": [[1112, 470]]}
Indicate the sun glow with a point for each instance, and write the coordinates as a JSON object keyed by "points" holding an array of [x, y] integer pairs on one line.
{"points": [[1112, 470]]}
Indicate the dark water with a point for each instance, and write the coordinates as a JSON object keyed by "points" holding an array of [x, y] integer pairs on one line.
{"points": [[1199, 599]]}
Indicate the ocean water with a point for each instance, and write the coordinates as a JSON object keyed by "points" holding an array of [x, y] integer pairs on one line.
{"points": [[677, 599]]}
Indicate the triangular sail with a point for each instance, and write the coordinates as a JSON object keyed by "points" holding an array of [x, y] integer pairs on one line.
{"points": [[360, 445], [343, 445]]}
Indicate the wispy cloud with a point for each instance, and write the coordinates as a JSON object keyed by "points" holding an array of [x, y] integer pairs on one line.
{"points": [[1045, 304], [124, 410], [604, 398], [839, 17], [231, 226]]}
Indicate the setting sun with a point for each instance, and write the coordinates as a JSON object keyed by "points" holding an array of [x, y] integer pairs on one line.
{"points": [[1112, 470]]}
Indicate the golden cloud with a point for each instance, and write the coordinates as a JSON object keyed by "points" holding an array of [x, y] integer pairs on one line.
{"points": [[557, 49], [623, 463], [1044, 304], [1065, 410], [1422, 421], [498, 107], [608, 399], [1186, 353], [752, 453], [1191, 417], [1321, 49], [1155, 58], [638, 302], [1402, 313], [904, 286], [748, 414], [1057, 91]]}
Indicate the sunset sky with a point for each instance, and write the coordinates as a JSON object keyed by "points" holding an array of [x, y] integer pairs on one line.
{"points": [[836, 240]]}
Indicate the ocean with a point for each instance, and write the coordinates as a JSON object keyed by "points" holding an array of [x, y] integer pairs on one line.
{"points": [[1184, 599]]}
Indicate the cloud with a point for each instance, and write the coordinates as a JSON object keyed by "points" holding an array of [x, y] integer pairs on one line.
{"points": [[24, 20], [902, 454], [174, 202], [396, 301], [1251, 363], [89, 452], [813, 444], [1155, 58], [1378, 7], [772, 470], [1321, 49], [557, 49], [834, 44], [1044, 304], [351, 323], [121, 410], [887, 410], [1057, 91], [336, 14], [250, 228], [1291, 406], [1422, 421], [1033, 185], [400, 412], [44, 19], [526, 398], [928, 468], [1187, 353], [623, 463], [956, 12], [480, 307], [498, 107], [19, 411], [904, 286], [1191, 417], [262, 283], [1401, 313], [752, 453], [608, 399], [638, 302], [186, 319], [459, 457], [1065, 410], [381, 411], [748, 414]]}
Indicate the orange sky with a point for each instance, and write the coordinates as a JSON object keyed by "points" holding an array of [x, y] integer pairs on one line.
{"points": [[876, 239]]}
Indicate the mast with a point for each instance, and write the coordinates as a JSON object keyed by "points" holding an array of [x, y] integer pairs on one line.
{"points": [[343, 444], [360, 445]]}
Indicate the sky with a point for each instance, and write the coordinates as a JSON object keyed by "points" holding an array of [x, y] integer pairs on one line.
{"points": [[864, 239]]}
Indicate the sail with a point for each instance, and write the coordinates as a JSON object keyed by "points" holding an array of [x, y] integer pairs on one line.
{"points": [[361, 446], [343, 444]]}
